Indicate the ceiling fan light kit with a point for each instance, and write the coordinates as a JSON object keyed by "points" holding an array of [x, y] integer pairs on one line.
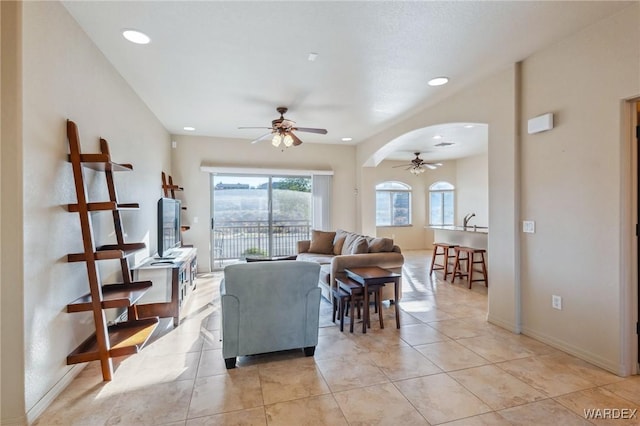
{"points": [[282, 130], [418, 165]]}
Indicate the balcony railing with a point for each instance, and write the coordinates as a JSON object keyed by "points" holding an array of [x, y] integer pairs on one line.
{"points": [[239, 239]]}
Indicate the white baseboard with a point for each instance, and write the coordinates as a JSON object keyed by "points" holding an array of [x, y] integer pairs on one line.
{"points": [[503, 323], [592, 358], [53, 393]]}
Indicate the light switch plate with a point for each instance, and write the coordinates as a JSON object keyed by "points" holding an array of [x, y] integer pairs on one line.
{"points": [[556, 302], [528, 226]]}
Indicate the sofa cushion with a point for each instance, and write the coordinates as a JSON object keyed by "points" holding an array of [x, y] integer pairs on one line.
{"points": [[322, 259], [338, 241], [322, 242], [349, 241], [380, 245], [360, 246]]}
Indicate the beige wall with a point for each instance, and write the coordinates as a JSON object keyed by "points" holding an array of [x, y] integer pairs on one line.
{"points": [[572, 187], [193, 152], [66, 76], [571, 183], [472, 189], [12, 405]]}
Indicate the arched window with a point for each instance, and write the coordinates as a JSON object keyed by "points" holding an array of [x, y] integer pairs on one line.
{"points": [[393, 204], [441, 201]]}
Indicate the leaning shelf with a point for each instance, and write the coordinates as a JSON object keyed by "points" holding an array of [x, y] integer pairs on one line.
{"points": [[124, 338]]}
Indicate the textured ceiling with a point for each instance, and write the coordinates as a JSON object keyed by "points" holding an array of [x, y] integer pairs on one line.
{"points": [[219, 65]]}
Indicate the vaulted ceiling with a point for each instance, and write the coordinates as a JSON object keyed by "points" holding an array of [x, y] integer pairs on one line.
{"points": [[219, 65]]}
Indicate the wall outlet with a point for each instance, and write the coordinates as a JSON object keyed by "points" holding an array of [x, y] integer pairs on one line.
{"points": [[195, 219], [556, 302], [529, 226]]}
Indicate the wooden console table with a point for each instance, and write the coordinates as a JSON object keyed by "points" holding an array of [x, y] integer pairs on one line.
{"points": [[173, 281]]}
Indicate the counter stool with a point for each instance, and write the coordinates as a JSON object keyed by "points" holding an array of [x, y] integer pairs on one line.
{"points": [[472, 256], [442, 249]]}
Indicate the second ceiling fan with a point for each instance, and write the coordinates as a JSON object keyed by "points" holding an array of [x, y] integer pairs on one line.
{"points": [[418, 165], [282, 130]]}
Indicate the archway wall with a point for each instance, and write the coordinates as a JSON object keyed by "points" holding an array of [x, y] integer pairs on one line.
{"points": [[492, 101]]}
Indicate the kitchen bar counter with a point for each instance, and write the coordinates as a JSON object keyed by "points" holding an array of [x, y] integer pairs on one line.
{"points": [[470, 236], [470, 228]]}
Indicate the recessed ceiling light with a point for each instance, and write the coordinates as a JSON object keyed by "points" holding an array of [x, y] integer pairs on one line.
{"points": [[189, 128], [136, 37], [438, 81], [312, 57], [437, 137], [469, 126], [347, 139]]}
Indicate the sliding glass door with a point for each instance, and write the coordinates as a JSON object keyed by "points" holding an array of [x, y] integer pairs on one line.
{"points": [[258, 216]]}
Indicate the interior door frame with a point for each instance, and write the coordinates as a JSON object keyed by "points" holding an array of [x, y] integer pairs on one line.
{"points": [[634, 126], [630, 243]]}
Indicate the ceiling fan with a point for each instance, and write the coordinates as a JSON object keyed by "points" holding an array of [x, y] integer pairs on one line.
{"points": [[282, 130], [418, 165]]}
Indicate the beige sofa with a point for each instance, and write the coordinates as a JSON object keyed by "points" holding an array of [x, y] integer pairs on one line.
{"points": [[340, 250]]}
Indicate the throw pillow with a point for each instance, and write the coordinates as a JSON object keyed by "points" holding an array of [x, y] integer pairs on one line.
{"points": [[360, 246], [338, 241], [347, 246], [380, 245], [322, 242]]}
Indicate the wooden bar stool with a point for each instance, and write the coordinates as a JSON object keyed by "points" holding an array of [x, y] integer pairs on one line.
{"points": [[472, 256], [442, 249]]}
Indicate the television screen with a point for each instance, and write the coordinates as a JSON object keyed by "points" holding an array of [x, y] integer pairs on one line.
{"points": [[168, 226]]}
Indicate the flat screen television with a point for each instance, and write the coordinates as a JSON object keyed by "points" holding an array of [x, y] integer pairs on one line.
{"points": [[168, 226]]}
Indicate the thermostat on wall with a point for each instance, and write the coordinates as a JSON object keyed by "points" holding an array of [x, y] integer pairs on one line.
{"points": [[540, 123]]}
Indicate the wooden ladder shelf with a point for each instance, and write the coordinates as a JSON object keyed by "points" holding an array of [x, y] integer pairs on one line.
{"points": [[169, 190], [124, 338]]}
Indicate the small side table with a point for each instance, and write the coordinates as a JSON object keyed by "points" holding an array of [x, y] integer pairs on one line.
{"points": [[374, 275], [348, 291]]}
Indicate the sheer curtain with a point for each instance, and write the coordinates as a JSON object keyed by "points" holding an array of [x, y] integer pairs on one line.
{"points": [[322, 195]]}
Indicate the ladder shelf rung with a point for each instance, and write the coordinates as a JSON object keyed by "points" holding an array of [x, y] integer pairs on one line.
{"points": [[107, 252], [104, 206], [126, 338], [102, 162], [113, 296]]}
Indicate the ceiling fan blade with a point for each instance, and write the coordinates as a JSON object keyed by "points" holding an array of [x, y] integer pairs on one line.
{"points": [[261, 137], [432, 166], [296, 140], [310, 130], [270, 128], [401, 165]]}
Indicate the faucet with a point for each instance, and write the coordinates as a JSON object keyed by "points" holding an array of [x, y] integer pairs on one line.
{"points": [[466, 219]]}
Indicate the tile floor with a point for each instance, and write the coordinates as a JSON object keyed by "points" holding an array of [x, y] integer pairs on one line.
{"points": [[446, 365]]}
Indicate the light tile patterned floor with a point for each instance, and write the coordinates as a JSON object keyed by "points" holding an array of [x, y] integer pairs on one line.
{"points": [[446, 365]]}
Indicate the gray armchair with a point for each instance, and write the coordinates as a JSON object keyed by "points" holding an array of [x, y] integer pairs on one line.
{"points": [[268, 307]]}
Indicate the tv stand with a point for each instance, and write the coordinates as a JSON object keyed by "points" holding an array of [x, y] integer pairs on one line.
{"points": [[173, 281]]}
